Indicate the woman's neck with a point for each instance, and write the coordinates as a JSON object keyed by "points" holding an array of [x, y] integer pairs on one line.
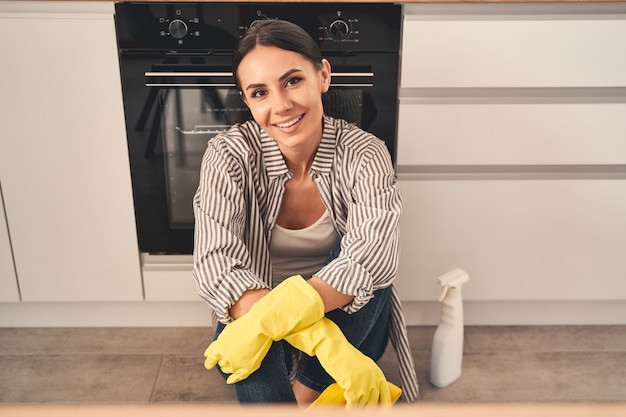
{"points": [[299, 160], [299, 164]]}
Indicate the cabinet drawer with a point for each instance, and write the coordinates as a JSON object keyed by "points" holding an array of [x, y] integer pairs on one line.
{"points": [[522, 134], [168, 278], [509, 52], [517, 239]]}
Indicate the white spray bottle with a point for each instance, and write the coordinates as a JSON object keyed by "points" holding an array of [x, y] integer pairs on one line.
{"points": [[447, 350]]}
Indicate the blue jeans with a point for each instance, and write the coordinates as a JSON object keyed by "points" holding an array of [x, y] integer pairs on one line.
{"points": [[367, 330]]}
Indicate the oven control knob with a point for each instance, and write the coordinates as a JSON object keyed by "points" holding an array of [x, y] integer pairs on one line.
{"points": [[178, 28], [339, 30]]}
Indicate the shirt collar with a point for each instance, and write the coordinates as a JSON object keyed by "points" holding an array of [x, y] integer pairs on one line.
{"points": [[326, 151], [274, 160]]}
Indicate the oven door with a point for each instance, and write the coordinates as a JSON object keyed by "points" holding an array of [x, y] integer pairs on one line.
{"points": [[183, 101]]}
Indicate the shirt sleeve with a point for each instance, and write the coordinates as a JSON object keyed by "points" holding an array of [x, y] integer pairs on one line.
{"points": [[221, 260], [368, 259]]}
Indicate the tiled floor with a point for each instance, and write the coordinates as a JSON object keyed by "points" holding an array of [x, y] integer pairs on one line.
{"points": [[141, 365]]}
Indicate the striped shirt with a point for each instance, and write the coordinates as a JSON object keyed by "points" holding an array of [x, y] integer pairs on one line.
{"points": [[242, 182]]}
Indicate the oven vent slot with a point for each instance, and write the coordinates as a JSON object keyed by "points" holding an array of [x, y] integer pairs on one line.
{"points": [[195, 79]]}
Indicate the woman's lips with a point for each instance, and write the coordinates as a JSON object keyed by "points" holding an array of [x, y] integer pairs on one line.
{"points": [[290, 123]]}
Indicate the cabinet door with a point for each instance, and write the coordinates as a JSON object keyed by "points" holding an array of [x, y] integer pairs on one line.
{"points": [[519, 239], [8, 281], [168, 278], [63, 158], [511, 150], [494, 46], [511, 133]]}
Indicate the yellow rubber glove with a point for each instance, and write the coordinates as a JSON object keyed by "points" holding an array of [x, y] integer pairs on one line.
{"points": [[242, 345], [362, 381], [333, 396]]}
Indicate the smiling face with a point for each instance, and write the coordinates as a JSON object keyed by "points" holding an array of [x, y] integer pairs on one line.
{"points": [[283, 90]]}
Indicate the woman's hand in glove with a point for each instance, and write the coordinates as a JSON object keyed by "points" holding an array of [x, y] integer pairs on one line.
{"points": [[362, 381], [333, 395], [237, 350], [242, 345]]}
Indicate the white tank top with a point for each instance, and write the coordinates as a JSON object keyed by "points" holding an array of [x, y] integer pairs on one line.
{"points": [[301, 251]]}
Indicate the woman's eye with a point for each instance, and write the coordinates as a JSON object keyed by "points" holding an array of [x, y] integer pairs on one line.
{"points": [[258, 93], [293, 81]]}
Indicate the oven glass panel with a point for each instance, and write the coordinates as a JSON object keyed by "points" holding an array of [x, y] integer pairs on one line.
{"points": [[192, 116]]}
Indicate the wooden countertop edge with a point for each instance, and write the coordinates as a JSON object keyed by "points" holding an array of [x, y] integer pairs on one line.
{"points": [[574, 409], [345, 1]]}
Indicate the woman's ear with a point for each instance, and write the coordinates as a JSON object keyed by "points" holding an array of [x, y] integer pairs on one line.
{"points": [[325, 72], [243, 97]]}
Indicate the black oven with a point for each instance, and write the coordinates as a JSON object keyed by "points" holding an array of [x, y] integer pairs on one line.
{"points": [[179, 91]]}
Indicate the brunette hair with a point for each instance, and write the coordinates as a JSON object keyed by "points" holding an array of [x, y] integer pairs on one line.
{"points": [[281, 34]]}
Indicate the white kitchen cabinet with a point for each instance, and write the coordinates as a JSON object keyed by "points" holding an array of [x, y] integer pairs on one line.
{"points": [[168, 278], [63, 159], [513, 133], [519, 239], [519, 45], [9, 291], [511, 152]]}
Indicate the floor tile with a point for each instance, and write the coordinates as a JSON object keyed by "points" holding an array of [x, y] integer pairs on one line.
{"points": [[77, 378], [421, 337], [125, 340], [118, 365], [489, 339], [536, 376], [570, 338], [184, 378]]}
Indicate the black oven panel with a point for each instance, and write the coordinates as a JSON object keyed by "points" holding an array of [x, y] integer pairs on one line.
{"points": [[179, 91], [218, 26]]}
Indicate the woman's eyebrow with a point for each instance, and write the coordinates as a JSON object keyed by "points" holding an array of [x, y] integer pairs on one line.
{"points": [[281, 78], [288, 73], [252, 86]]}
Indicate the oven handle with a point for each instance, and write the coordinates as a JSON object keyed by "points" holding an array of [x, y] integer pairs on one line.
{"points": [[365, 79]]}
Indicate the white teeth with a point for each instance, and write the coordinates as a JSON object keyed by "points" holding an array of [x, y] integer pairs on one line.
{"points": [[290, 123]]}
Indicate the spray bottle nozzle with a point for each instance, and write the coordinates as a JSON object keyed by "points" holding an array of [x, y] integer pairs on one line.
{"points": [[453, 279]]}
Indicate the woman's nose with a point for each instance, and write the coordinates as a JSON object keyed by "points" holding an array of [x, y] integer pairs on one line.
{"points": [[282, 102]]}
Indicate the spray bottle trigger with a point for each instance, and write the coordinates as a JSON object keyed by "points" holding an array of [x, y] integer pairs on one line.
{"points": [[444, 292]]}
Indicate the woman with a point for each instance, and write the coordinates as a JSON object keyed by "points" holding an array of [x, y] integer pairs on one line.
{"points": [[277, 195]]}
